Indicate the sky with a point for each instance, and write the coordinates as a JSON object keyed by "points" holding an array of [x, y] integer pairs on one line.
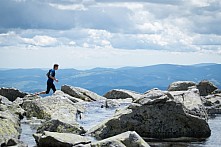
{"points": [[86, 34]]}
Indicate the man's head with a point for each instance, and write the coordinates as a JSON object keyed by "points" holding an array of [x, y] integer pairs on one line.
{"points": [[56, 66]]}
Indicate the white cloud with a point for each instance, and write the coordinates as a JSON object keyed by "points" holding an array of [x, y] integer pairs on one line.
{"points": [[69, 7], [121, 27], [13, 39], [41, 41]]}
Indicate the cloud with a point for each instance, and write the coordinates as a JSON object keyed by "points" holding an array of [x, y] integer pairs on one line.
{"points": [[120, 25], [13, 39]]}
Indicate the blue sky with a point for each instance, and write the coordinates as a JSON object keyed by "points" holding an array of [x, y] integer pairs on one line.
{"points": [[108, 33]]}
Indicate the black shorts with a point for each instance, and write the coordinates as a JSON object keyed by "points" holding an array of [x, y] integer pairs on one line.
{"points": [[50, 86]]}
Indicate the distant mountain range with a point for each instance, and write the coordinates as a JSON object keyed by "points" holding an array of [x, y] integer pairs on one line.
{"points": [[101, 80]]}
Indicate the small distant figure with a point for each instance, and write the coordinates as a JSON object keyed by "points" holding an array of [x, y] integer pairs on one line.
{"points": [[50, 82]]}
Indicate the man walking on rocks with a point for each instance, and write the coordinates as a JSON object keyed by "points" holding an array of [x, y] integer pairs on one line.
{"points": [[51, 79]]}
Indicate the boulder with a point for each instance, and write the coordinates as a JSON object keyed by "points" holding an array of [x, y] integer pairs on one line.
{"points": [[14, 106], [54, 139], [217, 91], [12, 93], [9, 127], [111, 104], [191, 100], [73, 99], [60, 127], [212, 103], [165, 117], [206, 88], [53, 107], [151, 94], [122, 94], [181, 85], [5, 101], [81, 93], [126, 139]]}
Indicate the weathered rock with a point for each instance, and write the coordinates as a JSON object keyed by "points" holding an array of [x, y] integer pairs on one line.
{"points": [[5, 101], [192, 102], [163, 117], [81, 93], [181, 85], [14, 106], [52, 107], [60, 127], [214, 99], [31, 97], [217, 91], [12, 93], [127, 139], [122, 94], [9, 126], [150, 95], [206, 88], [73, 99], [109, 103], [17, 110], [213, 110], [212, 103], [53, 139]]}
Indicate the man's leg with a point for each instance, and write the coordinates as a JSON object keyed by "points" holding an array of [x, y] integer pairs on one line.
{"points": [[53, 87], [49, 86]]}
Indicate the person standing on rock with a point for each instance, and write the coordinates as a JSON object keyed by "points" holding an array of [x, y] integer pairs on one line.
{"points": [[51, 79]]}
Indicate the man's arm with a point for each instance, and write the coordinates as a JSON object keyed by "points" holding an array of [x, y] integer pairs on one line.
{"points": [[53, 78]]}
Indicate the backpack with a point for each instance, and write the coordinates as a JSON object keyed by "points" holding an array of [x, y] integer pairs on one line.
{"points": [[48, 73]]}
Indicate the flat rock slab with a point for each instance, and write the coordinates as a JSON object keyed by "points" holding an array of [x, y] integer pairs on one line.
{"points": [[54, 139], [122, 94], [81, 93], [181, 85], [52, 107], [127, 139]]}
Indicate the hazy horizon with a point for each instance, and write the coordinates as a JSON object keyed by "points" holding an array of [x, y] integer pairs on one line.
{"points": [[46, 68]]}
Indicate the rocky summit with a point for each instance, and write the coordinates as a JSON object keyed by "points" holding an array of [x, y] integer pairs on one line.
{"points": [[180, 113], [162, 117]]}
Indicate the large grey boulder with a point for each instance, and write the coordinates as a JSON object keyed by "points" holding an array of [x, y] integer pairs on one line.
{"points": [[9, 127], [14, 106], [191, 101], [212, 103], [57, 106], [206, 88], [81, 93], [12, 93], [60, 127], [181, 85], [54, 139], [126, 139], [165, 117], [122, 94], [150, 94]]}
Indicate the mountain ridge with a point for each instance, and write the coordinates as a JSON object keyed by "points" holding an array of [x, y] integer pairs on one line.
{"points": [[101, 80]]}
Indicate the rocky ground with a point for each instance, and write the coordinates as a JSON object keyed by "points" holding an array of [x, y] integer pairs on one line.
{"points": [[180, 113]]}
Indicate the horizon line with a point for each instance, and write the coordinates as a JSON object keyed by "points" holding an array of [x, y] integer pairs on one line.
{"points": [[91, 68]]}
